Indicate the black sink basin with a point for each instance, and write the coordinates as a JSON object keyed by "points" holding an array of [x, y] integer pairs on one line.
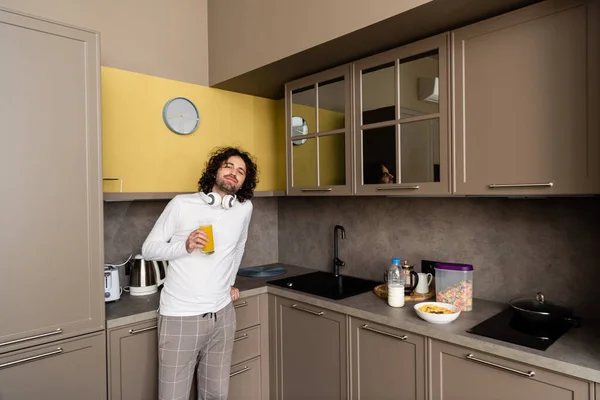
{"points": [[325, 284]]}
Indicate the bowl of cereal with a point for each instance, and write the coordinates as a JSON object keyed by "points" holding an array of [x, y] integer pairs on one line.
{"points": [[437, 313]]}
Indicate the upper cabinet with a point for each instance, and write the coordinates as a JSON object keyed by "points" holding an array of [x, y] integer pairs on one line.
{"points": [[318, 140], [401, 120], [526, 100]]}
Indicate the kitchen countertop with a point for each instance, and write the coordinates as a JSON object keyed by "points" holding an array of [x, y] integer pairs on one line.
{"points": [[576, 353]]}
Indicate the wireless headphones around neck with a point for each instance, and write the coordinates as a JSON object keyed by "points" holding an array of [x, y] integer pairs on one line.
{"points": [[213, 199]]}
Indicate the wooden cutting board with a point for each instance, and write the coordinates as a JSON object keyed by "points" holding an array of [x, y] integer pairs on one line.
{"points": [[382, 292]]}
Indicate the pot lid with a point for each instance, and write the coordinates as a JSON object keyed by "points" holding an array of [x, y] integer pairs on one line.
{"points": [[539, 305]]}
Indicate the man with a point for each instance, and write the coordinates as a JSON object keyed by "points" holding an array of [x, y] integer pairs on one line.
{"points": [[196, 322]]}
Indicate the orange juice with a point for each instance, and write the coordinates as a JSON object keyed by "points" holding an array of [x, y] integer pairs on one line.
{"points": [[210, 245]]}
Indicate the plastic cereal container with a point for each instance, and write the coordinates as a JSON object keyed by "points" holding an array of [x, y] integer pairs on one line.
{"points": [[454, 284]]}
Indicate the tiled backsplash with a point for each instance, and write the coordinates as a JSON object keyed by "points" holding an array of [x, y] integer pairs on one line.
{"points": [[127, 224], [517, 246]]}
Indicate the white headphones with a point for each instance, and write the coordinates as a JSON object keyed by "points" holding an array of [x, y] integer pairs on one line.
{"points": [[214, 200]]}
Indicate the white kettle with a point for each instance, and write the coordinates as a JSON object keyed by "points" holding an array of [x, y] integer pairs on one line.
{"points": [[146, 276]]}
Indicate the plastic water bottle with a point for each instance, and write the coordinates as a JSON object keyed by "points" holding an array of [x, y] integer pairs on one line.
{"points": [[395, 284]]}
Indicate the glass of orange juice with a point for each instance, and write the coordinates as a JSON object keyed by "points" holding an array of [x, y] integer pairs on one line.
{"points": [[209, 248]]}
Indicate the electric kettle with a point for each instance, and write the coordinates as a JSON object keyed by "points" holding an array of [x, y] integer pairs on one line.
{"points": [[146, 276]]}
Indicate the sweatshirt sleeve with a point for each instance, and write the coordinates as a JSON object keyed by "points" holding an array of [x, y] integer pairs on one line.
{"points": [[241, 245], [158, 245]]}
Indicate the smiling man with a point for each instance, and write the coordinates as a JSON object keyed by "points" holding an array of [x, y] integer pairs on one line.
{"points": [[196, 322]]}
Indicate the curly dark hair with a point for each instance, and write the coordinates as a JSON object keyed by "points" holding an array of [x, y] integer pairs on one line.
{"points": [[216, 160]]}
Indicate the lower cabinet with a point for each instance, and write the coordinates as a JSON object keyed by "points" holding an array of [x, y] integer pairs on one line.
{"points": [[68, 369], [245, 381], [133, 362], [310, 352], [386, 363], [249, 376], [459, 373]]}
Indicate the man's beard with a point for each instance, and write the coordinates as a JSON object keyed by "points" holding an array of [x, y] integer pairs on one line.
{"points": [[226, 186]]}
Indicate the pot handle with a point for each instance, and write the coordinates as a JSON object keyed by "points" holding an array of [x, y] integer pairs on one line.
{"points": [[416, 282], [573, 321]]}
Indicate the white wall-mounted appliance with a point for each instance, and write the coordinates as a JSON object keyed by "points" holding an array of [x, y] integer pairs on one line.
{"points": [[429, 89]]}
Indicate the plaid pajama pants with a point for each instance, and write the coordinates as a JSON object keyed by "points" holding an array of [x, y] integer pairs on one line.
{"points": [[201, 343]]}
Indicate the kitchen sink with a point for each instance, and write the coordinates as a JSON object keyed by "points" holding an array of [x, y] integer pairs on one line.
{"points": [[326, 284]]}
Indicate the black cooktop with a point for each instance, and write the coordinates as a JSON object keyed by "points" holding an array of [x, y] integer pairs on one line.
{"points": [[506, 327]]}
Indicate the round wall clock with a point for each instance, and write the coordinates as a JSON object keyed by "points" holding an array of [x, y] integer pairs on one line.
{"points": [[181, 116]]}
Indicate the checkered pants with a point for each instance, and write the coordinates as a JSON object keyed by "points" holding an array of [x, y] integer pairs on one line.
{"points": [[203, 343]]}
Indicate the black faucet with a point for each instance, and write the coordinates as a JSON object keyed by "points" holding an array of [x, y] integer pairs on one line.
{"points": [[337, 263]]}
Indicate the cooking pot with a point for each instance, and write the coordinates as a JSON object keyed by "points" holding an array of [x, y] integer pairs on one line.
{"points": [[538, 311]]}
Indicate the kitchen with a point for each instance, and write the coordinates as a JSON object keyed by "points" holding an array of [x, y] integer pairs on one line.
{"points": [[517, 245]]}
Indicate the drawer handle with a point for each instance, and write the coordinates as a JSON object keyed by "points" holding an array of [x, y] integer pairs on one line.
{"points": [[43, 335], [519, 185], [412, 187], [242, 304], [317, 313], [529, 374], [136, 331], [368, 328], [317, 190], [244, 336], [241, 371], [23, 360]]}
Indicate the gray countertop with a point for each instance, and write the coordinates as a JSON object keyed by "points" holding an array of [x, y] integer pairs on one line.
{"points": [[576, 353]]}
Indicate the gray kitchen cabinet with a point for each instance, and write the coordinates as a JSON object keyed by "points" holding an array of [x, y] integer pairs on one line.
{"points": [[245, 381], [526, 100], [461, 373], [68, 369], [386, 363], [133, 361], [401, 119], [310, 352], [318, 139], [249, 378], [51, 208]]}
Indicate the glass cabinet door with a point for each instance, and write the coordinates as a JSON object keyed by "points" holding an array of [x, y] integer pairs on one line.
{"points": [[318, 139], [401, 120]]}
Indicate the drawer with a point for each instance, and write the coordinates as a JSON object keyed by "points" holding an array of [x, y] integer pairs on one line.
{"points": [[68, 369], [245, 381], [246, 345], [246, 312]]}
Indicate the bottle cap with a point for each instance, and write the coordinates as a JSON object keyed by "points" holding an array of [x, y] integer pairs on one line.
{"points": [[395, 261]]}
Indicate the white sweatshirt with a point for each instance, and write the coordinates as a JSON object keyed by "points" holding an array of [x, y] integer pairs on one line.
{"points": [[197, 283]]}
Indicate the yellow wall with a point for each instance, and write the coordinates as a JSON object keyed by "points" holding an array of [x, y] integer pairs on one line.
{"points": [[140, 149], [332, 149]]}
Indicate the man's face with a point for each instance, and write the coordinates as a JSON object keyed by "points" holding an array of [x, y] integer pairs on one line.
{"points": [[386, 176], [231, 175]]}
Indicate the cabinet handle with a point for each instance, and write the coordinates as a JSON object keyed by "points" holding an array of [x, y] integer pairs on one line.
{"points": [[317, 190], [116, 179], [368, 328], [242, 304], [529, 374], [241, 371], [43, 335], [135, 331], [23, 360], [317, 313], [244, 336], [519, 185], [412, 187]]}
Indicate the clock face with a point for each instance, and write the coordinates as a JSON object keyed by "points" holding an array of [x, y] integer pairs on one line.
{"points": [[181, 116]]}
